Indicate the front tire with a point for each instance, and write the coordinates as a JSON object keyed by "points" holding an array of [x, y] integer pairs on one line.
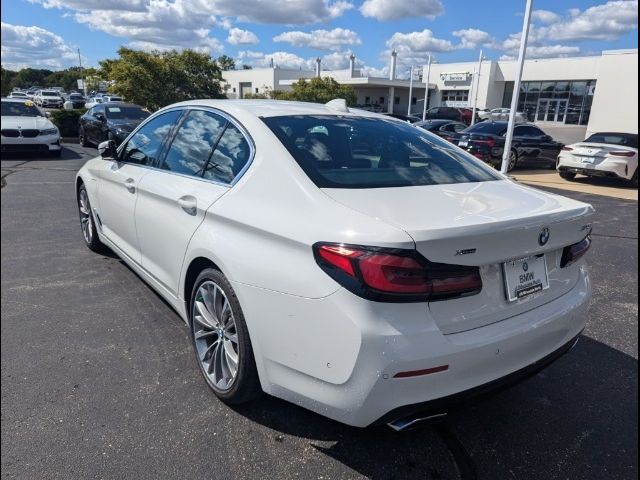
{"points": [[87, 222], [513, 160], [221, 339]]}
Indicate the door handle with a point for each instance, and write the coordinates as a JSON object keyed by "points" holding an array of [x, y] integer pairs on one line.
{"points": [[129, 184], [189, 204]]}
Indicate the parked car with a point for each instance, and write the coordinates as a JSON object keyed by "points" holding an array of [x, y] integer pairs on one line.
{"points": [[604, 154], [442, 128], [26, 128], [530, 145], [77, 100], [31, 91], [93, 101], [498, 114], [111, 98], [425, 276], [447, 113], [48, 99], [406, 118], [18, 94], [109, 121]]}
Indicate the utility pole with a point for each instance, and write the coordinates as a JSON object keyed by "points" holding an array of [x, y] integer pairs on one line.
{"points": [[516, 87], [475, 90], [426, 90], [410, 90]]}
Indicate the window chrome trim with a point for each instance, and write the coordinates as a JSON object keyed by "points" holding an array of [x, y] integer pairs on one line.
{"points": [[186, 108]]}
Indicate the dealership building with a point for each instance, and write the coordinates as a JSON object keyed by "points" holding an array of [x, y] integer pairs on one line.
{"points": [[599, 93]]}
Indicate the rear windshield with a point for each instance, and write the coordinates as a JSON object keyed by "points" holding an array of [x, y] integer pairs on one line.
{"points": [[488, 127], [50, 93], [614, 139], [352, 152], [128, 113]]}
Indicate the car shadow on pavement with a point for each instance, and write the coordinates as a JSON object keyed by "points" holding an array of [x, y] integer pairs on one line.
{"points": [[67, 154], [575, 419]]}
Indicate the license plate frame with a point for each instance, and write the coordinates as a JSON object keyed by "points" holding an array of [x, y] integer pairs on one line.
{"points": [[463, 143], [532, 276]]}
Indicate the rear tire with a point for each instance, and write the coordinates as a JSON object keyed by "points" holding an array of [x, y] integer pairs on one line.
{"points": [[82, 138], [221, 339], [634, 180], [567, 175]]}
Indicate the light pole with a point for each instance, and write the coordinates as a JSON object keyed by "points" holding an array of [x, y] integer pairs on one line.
{"points": [[426, 90], [516, 87], [410, 90], [84, 84], [475, 90]]}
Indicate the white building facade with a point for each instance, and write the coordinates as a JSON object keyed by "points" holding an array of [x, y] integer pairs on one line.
{"points": [[599, 92]]}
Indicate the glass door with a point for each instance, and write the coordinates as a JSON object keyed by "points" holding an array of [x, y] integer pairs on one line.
{"points": [[561, 111], [541, 112]]}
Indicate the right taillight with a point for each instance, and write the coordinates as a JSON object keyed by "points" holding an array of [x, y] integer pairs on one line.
{"points": [[622, 154], [394, 275], [574, 252]]}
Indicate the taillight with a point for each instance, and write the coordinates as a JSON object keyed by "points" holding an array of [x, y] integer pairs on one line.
{"points": [[394, 275], [574, 252], [622, 154], [490, 142], [567, 149]]}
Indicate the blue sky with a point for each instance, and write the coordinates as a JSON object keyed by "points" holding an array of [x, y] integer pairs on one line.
{"points": [[46, 33]]}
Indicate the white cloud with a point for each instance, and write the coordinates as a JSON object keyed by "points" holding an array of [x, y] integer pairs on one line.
{"points": [[385, 10], [24, 46], [471, 38], [242, 37], [320, 39], [545, 16], [607, 21], [546, 51], [280, 59]]}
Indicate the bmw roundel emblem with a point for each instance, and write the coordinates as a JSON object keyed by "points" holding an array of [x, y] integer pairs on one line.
{"points": [[543, 238], [525, 266]]}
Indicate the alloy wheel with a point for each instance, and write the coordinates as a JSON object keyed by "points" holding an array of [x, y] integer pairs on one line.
{"points": [[512, 160], [86, 219], [215, 336]]}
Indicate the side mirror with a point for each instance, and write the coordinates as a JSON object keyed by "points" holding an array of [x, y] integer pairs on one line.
{"points": [[108, 149], [547, 138], [47, 114], [100, 117]]}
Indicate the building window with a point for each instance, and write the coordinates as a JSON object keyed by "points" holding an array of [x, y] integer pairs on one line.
{"points": [[381, 100], [367, 100], [455, 98], [558, 101], [396, 100], [414, 100]]}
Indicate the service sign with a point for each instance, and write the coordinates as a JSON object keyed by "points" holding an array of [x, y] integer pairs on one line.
{"points": [[455, 76]]}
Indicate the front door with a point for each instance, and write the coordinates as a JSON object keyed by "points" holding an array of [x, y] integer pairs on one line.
{"points": [[551, 110], [120, 179]]}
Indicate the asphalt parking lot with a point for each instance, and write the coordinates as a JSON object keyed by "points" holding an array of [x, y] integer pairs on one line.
{"points": [[99, 380]]}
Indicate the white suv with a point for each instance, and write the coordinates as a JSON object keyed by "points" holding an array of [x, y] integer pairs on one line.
{"points": [[48, 99]]}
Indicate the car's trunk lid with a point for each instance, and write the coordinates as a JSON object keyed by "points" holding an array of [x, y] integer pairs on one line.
{"points": [[480, 224]]}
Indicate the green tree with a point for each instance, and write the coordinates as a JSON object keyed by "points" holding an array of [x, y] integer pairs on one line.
{"points": [[318, 90], [156, 79], [225, 62], [28, 77], [6, 78]]}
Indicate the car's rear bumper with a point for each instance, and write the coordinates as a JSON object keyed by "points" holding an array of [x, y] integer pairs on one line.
{"points": [[341, 355], [609, 167]]}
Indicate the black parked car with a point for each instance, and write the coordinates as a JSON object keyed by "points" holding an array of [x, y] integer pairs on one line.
{"points": [[448, 113], [77, 99], [109, 121], [530, 145], [443, 128]]}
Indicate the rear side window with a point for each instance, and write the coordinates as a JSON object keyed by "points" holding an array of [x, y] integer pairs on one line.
{"points": [[526, 131], [497, 128], [192, 146], [230, 156], [358, 152], [145, 145]]}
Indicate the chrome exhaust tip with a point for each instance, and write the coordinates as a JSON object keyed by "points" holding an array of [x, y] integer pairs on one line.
{"points": [[414, 421]]}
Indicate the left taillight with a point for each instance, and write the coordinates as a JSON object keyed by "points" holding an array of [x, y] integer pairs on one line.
{"points": [[573, 253], [394, 275]]}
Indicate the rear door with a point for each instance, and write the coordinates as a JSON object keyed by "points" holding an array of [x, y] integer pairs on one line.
{"points": [[204, 158]]}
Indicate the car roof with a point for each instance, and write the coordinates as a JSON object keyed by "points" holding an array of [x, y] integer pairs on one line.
{"points": [[275, 108], [119, 104], [620, 134]]}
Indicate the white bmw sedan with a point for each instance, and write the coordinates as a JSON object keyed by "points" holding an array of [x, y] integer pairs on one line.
{"points": [[340, 259], [604, 154], [26, 128]]}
